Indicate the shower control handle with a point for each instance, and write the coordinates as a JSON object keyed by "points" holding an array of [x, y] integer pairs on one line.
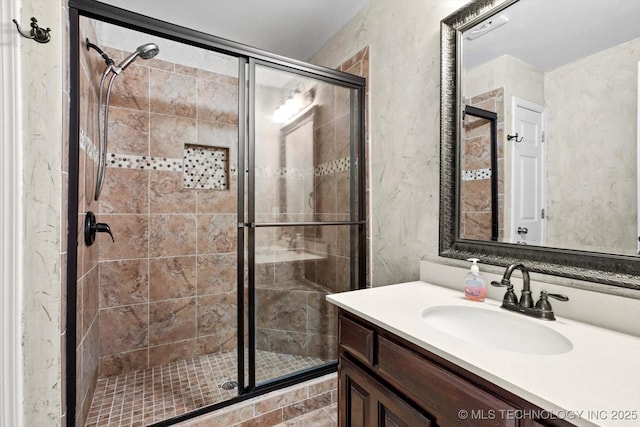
{"points": [[91, 227], [101, 227]]}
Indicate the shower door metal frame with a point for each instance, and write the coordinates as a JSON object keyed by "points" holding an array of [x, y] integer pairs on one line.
{"points": [[357, 218], [492, 118], [245, 55]]}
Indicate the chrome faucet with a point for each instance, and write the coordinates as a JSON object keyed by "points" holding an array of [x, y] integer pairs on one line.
{"points": [[541, 310]]}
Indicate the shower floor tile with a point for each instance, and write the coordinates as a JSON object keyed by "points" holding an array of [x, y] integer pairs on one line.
{"points": [[147, 396]]}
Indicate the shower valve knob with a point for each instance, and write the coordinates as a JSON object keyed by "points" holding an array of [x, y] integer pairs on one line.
{"points": [[91, 227]]}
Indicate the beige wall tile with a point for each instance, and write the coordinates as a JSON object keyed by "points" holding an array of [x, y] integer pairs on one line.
{"points": [[167, 194], [173, 94], [316, 402], [287, 310], [124, 282], [167, 353], [169, 133], [128, 131], [217, 233], [172, 235], [123, 328], [217, 273], [172, 320], [217, 101], [217, 315], [118, 363], [130, 233], [131, 91], [171, 278], [125, 191]]}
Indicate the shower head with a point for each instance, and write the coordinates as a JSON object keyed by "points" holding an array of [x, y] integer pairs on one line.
{"points": [[146, 51]]}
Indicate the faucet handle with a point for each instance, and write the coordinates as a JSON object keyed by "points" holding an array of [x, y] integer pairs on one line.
{"points": [[510, 296], [544, 304]]}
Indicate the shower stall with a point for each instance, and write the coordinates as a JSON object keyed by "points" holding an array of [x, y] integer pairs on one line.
{"points": [[232, 181]]}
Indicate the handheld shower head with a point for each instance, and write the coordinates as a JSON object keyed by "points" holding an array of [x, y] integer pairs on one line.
{"points": [[146, 51]]}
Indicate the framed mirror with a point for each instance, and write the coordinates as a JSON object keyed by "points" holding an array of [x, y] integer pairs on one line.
{"points": [[561, 79], [297, 148]]}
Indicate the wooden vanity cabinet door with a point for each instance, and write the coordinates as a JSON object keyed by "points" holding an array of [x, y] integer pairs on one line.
{"points": [[365, 402]]}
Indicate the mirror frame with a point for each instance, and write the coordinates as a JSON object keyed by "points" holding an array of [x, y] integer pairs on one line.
{"points": [[610, 269]]}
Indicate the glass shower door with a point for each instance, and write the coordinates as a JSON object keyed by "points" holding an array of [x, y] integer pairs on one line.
{"points": [[303, 208]]}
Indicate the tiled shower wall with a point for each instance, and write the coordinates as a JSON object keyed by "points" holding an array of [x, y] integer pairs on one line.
{"points": [[475, 192], [332, 184], [332, 197], [167, 286], [87, 331]]}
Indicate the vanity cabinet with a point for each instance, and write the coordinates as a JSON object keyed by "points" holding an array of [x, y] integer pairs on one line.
{"points": [[385, 380]]}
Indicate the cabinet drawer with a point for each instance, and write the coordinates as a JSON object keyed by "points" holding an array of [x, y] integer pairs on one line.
{"points": [[357, 340], [439, 391]]}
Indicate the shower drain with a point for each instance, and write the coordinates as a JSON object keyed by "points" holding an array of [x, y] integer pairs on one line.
{"points": [[229, 385]]}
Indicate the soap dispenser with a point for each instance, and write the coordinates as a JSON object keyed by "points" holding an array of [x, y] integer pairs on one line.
{"points": [[474, 285]]}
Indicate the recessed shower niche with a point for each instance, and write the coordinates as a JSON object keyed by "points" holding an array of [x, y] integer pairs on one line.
{"points": [[230, 226], [205, 167]]}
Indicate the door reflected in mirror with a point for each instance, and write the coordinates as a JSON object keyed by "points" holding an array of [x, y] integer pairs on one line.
{"points": [[562, 80]]}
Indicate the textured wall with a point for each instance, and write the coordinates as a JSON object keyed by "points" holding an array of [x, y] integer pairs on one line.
{"points": [[587, 165], [44, 97], [404, 49], [592, 151]]}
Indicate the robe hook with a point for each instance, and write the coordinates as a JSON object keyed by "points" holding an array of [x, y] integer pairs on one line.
{"points": [[510, 137], [37, 34]]}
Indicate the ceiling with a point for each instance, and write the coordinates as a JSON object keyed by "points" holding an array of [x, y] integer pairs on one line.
{"points": [[547, 34], [293, 28]]}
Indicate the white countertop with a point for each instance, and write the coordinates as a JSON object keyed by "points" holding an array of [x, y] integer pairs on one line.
{"points": [[594, 384]]}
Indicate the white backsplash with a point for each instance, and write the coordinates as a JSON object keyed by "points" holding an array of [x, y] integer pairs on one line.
{"points": [[615, 312]]}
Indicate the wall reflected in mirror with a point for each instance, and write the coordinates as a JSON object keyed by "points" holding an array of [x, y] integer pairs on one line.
{"points": [[562, 78]]}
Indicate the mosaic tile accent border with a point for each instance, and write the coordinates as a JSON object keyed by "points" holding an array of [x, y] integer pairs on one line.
{"points": [[131, 161], [205, 167], [340, 165], [335, 166], [476, 174]]}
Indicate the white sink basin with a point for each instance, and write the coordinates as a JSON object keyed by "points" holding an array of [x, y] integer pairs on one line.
{"points": [[497, 329]]}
